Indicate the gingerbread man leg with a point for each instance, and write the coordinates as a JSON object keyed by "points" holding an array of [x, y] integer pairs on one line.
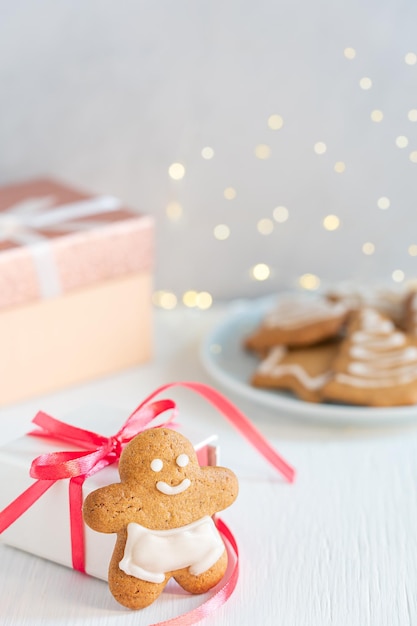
{"points": [[128, 590], [205, 581]]}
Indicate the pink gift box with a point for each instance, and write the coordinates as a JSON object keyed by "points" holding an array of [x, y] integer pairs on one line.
{"points": [[44, 528], [75, 287]]}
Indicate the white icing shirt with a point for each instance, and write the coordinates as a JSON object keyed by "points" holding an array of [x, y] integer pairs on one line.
{"points": [[149, 554]]}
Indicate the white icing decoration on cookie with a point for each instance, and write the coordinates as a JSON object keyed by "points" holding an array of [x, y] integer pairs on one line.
{"points": [[182, 460], [381, 383], [393, 359], [373, 341], [271, 366], [170, 490], [156, 465], [296, 312], [150, 554], [387, 301]]}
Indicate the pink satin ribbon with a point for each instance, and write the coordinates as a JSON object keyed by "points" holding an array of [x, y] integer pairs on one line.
{"points": [[239, 421], [100, 451]]}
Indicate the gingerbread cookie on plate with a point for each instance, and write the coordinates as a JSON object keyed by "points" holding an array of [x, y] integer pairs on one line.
{"points": [[389, 302], [376, 366], [298, 320], [162, 513], [410, 314], [304, 371]]}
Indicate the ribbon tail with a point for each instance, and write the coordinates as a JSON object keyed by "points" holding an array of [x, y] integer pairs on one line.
{"points": [[238, 420], [55, 429], [245, 427], [23, 502], [77, 524]]}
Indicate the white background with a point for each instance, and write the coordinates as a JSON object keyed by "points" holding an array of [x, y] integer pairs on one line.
{"points": [[108, 94]]}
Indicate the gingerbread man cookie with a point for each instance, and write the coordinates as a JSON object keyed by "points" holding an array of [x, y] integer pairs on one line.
{"points": [[162, 513]]}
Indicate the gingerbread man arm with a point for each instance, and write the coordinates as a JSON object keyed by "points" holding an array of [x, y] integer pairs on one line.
{"points": [[111, 508], [220, 498]]}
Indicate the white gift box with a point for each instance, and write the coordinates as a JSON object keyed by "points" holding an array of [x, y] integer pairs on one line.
{"points": [[44, 529]]}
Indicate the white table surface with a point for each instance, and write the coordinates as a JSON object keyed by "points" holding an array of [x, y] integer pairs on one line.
{"points": [[339, 546]]}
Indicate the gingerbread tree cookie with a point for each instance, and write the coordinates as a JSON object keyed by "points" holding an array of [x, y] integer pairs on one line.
{"points": [[376, 366], [162, 513], [410, 314]]}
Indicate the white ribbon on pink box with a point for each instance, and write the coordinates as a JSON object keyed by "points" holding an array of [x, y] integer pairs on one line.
{"points": [[21, 222], [55, 239]]}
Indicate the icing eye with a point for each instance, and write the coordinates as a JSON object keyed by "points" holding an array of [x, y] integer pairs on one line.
{"points": [[182, 460], [157, 465]]}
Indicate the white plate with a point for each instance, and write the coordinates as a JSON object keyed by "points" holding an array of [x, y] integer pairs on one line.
{"points": [[228, 363]]}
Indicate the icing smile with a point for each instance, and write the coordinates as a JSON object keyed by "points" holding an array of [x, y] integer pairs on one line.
{"points": [[170, 490]]}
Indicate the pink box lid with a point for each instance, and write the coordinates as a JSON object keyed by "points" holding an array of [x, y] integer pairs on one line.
{"points": [[55, 239]]}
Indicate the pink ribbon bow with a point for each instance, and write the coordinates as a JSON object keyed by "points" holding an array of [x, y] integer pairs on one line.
{"points": [[78, 465]]}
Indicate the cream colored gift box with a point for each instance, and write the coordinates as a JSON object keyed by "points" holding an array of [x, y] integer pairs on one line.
{"points": [[44, 528], [75, 288]]}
